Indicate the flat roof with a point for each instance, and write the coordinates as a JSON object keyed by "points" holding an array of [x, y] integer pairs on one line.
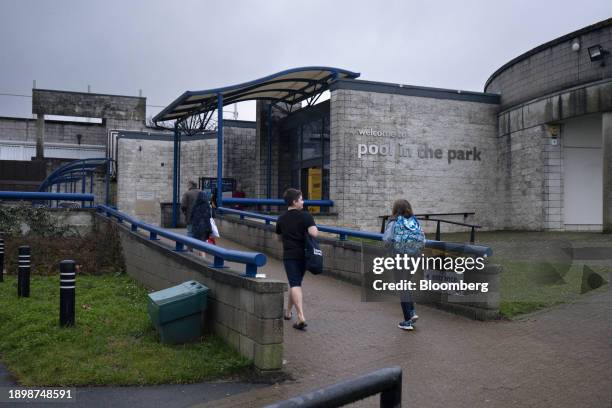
{"points": [[290, 86], [413, 90]]}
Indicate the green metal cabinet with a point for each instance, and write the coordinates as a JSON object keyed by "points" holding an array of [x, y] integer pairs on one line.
{"points": [[176, 312]]}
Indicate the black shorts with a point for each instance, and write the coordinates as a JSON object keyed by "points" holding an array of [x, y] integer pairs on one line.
{"points": [[295, 269]]}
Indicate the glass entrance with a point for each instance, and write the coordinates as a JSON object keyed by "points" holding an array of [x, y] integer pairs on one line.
{"points": [[307, 132]]}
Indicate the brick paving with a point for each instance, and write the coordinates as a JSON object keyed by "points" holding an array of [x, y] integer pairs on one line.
{"points": [[558, 358]]}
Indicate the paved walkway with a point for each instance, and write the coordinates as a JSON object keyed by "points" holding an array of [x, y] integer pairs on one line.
{"points": [[557, 358]]}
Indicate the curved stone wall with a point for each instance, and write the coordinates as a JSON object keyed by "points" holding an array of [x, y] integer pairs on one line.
{"points": [[553, 66]]}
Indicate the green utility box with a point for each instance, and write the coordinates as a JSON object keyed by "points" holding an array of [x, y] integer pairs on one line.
{"points": [[176, 312]]}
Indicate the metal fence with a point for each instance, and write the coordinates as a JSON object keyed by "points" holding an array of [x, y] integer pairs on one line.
{"points": [[251, 260], [386, 382], [344, 233]]}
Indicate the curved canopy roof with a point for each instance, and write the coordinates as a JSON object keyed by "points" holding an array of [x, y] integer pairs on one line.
{"points": [[72, 171], [290, 86]]}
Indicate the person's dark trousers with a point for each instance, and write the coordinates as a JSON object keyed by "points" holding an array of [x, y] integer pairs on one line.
{"points": [[405, 295], [408, 310]]}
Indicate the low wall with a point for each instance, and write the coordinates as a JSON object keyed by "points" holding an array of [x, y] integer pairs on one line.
{"points": [[81, 219], [343, 260], [245, 312]]}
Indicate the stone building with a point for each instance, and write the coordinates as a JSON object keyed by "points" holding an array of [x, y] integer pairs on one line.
{"points": [[528, 153], [531, 152], [26, 145]]}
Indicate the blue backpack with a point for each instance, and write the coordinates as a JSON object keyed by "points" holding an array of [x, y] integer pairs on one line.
{"points": [[408, 237]]}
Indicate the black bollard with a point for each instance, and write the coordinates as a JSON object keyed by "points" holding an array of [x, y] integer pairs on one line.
{"points": [[1, 260], [67, 292], [23, 274]]}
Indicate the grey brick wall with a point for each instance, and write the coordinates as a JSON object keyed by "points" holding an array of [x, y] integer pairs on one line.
{"points": [[17, 129], [51, 102], [531, 167], [364, 188], [553, 67], [140, 167]]}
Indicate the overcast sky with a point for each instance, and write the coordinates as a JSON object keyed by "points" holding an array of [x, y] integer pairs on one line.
{"points": [[167, 47]]}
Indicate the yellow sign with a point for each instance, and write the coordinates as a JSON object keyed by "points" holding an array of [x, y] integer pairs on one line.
{"points": [[315, 187]]}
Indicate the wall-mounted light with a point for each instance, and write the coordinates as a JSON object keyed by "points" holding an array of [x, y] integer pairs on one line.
{"points": [[576, 45], [597, 53], [554, 130], [79, 137]]}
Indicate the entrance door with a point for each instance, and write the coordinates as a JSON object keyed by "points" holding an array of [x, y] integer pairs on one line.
{"points": [[583, 171]]}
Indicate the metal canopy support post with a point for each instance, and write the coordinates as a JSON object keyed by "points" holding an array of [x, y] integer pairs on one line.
{"points": [[219, 150], [91, 176], [178, 174], [269, 168], [83, 184], [107, 181], [174, 177]]}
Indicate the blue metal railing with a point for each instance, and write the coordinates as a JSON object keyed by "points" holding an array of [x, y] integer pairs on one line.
{"points": [[343, 233], [42, 196], [252, 260]]}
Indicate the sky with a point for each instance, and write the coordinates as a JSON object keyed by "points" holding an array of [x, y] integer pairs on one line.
{"points": [[164, 48]]}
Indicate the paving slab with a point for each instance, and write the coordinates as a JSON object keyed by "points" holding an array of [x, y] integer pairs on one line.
{"points": [[560, 357]]}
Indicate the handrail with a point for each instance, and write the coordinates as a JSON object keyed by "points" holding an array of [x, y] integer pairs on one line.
{"points": [[252, 260], [43, 196], [478, 250], [387, 382], [438, 221], [275, 201]]}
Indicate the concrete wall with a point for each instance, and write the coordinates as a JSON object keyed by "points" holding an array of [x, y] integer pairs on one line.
{"points": [[553, 66], [531, 165], [64, 103], [24, 130], [82, 220], [245, 312], [343, 260], [414, 137], [144, 176]]}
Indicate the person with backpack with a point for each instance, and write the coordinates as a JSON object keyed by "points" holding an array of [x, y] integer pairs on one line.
{"points": [[403, 235], [292, 226]]}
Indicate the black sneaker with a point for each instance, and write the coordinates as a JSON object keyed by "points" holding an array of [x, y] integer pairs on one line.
{"points": [[407, 325]]}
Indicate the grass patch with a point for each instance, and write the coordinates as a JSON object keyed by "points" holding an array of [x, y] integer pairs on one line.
{"points": [[113, 341], [530, 286]]}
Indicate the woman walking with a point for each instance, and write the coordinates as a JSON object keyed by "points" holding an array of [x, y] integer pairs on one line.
{"points": [[293, 226], [403, 234]]}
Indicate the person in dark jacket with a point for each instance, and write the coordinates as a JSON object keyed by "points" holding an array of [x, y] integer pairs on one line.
{"points": [[200, 217], [187, 202]]}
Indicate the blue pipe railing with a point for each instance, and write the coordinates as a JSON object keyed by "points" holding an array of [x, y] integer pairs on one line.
{"points": [[343, 233], [252, 260], [43, 196], [275, 201]]}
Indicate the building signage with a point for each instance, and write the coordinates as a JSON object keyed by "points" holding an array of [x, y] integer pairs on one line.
{"points": [[421, 151]]}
